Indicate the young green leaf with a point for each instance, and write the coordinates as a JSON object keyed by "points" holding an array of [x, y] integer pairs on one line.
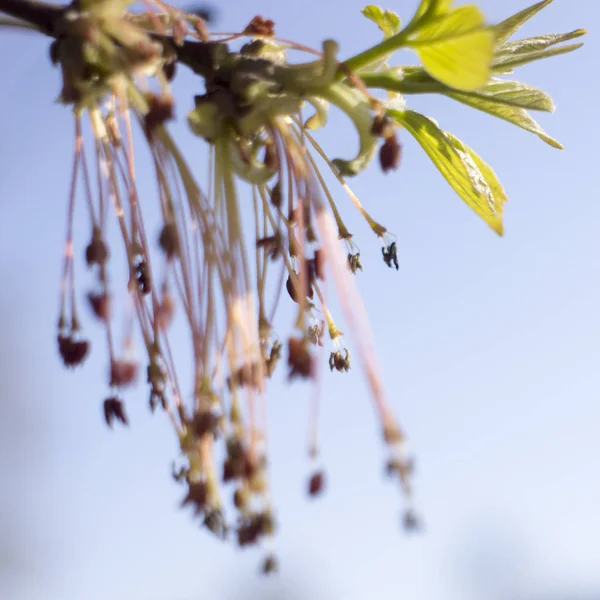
{"points": [[386, 20], [514, 93], [389, 23], [418, 81], [456, 48], [541, 42], [513, 114], [507, 28], [489, 181], [473, 180], [431, 9], [528, 50]]}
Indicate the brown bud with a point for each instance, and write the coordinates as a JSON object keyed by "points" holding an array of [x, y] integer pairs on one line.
{"points": [[114, 409], [292, 289], [389, 154], [100, 304], [276, 195], [169, 240], [261, 26], [96, 252], [316, 483], [72, 352], [123, 372]]}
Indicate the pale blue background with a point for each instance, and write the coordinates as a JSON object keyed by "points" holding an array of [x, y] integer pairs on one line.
{"points": [[490, 350]]}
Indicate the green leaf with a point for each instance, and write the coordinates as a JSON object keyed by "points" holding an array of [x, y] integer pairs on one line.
{"points": [[432, 9], [534, 48], [507, 28], [515, 93], [509, 66], [416, 81], [473, 180], [386, 20], [489, 181], [513, 114], [456, 48], [540, 42]]}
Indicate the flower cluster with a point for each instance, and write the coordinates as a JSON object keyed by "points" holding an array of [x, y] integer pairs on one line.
{"points": [[116, 70]]}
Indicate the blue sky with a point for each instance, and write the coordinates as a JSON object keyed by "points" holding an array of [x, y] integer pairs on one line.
{"points": [[489, 350]]}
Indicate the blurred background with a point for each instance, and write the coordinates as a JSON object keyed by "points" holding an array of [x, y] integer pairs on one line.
{"points": [[489, 348]]}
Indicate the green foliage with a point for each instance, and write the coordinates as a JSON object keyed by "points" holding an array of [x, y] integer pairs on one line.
{"points": [[461, 59], [386, 20], [116, 69], [455, 48], [473, 180]]}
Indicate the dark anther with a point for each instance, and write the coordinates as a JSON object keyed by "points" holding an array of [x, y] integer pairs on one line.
{"points": [[316, 483], [354, 262], [338, 362], [114, 409], [169, 240], [123, 372], [390, 257], [72, 352], [96, 252], [389, 154], [100, 304], [142, 275], [300, 361]]}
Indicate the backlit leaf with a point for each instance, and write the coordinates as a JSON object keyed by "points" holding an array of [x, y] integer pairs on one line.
{"points": [[472, 179], [507, 28], [386, 20], [456, 48], [513, 114]]}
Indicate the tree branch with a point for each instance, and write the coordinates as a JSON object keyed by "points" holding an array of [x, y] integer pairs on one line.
{"points": [[41, 15]]}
